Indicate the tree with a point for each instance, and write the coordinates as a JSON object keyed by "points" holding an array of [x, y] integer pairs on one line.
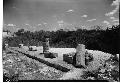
{"points": [[19, 32]]}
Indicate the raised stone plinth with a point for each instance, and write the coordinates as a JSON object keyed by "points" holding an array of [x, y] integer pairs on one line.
{"points": [[69, 57], [50, 55]]}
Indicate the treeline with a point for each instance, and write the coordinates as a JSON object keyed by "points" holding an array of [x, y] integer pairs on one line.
{"points": [[104, 40]]}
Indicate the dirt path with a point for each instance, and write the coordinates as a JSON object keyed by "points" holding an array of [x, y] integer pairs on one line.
{"points": [[73, 74]]}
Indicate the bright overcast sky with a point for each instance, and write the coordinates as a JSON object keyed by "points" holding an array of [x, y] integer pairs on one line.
{"points": [[55, 14]]}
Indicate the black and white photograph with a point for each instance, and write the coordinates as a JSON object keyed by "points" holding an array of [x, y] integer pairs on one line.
{"points": [[61, 41]]}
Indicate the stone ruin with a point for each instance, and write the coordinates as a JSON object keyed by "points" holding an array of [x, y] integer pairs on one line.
{"points": [[46, 45], [46, 52], [80, 58], [69, 58], [80, 55]]}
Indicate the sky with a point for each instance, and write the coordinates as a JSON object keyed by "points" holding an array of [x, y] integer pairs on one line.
{"points": [[59, 14]]}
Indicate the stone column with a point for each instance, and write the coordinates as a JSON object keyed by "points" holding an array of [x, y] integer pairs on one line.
{"points": [[80, 55], [46, 45]]}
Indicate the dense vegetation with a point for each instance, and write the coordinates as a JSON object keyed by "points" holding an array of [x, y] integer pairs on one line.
{"points": [[96, 39]]}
